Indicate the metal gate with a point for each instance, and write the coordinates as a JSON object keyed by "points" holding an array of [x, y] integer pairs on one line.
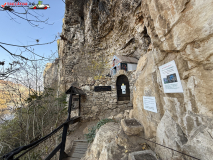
{"points": [[123, 92]]}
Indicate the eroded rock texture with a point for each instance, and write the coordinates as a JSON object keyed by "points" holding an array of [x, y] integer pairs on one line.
{"points": [[93, 32], [180, 31], [104, 146], [155, 32]]}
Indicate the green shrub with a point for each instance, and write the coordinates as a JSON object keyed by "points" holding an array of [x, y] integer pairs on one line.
{"points": [[91, 135]]}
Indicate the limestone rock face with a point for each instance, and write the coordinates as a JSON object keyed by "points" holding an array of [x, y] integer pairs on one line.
{"points": [[111, 143], [93, 32], [104, 146], [179, 31], [155, 32], [170, 133], [179, 23]]}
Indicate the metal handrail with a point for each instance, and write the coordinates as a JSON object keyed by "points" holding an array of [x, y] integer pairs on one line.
{"points": [[61, 146], [10, 155]]}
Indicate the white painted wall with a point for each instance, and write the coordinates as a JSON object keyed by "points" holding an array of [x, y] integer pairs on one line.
{"points": [[131, 67]]}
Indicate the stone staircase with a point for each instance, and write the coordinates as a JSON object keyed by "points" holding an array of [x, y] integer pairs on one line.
{"points": [[78, 150], [129, 136]]}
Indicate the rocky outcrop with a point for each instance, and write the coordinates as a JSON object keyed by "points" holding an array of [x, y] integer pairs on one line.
{"points": [[156, 32], [179, 31], [113, 141], [104, 146], [93, 32]]}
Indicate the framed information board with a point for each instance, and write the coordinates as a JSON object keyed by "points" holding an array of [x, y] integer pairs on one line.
{"points": [[170, 78], [102, 88]]}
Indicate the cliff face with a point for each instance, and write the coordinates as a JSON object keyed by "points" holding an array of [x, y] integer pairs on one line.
{"points": [[155, 32], [95, 31], [179, 31]]}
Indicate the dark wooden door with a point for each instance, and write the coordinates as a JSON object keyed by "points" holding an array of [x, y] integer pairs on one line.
{"points": [[121, 96]]}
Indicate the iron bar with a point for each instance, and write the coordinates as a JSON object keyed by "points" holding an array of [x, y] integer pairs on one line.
{"points": [[53, 152], [19, 149], [64, 137], [61, 146], [79, 112]]}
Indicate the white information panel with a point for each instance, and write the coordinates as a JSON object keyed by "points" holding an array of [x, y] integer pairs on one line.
{"points": [[149, 104], [123, 87], [170, 78]]}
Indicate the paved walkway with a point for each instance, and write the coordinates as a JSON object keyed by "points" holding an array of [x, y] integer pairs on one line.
{"points": [[78, 150]]}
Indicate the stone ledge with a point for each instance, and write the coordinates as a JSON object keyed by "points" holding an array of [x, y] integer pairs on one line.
{"points": [[142, 154], [134, 128]]}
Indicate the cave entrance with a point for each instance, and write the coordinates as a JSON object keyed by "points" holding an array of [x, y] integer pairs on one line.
{"points": [[146, 37], [123, 92]]}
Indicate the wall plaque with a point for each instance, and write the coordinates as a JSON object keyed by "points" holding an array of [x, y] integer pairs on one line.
{"points": [[149, 104], [170, 78], [102, 88], [123, 88]]}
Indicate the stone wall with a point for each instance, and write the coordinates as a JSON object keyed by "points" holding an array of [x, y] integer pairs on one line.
{"points": [[99, 105]]}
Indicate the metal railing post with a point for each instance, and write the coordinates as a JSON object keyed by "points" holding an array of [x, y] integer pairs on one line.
{"points": [[79, 112], [70, 106], [64, 137], [61, 146]]}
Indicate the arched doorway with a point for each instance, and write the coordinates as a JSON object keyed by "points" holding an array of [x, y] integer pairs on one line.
{"points": [[123, 92]]}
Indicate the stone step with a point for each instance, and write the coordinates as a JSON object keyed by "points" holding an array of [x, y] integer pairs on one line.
{"points": [[141, 155], [78, 150], [131, 127]]}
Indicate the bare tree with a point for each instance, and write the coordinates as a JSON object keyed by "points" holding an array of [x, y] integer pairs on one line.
{"points": [[34, 19], [31, 16], [36, 108]]}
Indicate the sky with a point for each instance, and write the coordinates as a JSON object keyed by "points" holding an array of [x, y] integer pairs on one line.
{"points": [[22, 33]]}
